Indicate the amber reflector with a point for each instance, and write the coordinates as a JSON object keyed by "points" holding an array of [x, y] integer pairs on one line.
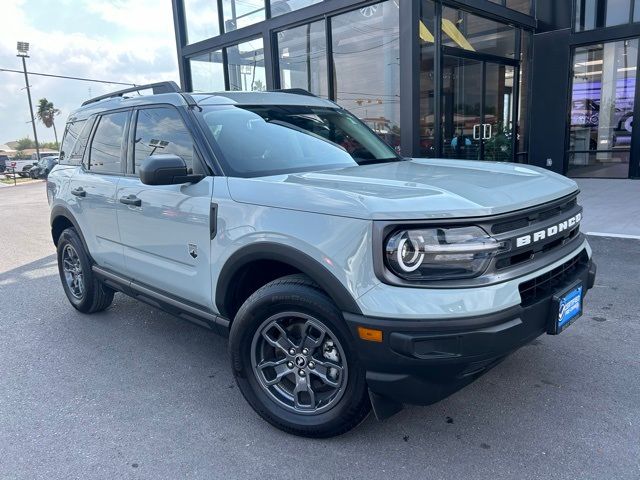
{"points": [[370, 335]]}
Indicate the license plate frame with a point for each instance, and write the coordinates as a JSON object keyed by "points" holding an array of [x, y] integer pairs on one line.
{"points": [[566, 308]]}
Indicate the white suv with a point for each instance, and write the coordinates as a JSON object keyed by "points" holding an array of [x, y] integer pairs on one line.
{"points": [[346, 276]]}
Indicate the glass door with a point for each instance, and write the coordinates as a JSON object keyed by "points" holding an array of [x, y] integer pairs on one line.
{"points": [[497, 122], [462, 100], [477, 109]]}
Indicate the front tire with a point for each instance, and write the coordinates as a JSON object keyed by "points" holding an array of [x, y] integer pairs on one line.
{"points": [[295, 362], [84, 291]]}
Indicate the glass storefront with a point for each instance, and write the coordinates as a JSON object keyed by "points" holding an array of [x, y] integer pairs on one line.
{"points": [[207, 72], [280, 7], [366, 62], [242, 13], [202, 20], [469, 83], [302, 58], [592, 14], [246, 66], [601, 109]]}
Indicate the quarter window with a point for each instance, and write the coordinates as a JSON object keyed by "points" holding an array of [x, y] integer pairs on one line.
{"points": [[106, 146], [161, 131], [70, 143]]}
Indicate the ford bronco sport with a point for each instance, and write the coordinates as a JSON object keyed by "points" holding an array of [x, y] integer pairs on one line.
{"points": [[346, 277]]}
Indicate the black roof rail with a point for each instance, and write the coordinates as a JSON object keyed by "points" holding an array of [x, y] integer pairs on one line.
{"points": [[296, 91], [158, 88]]}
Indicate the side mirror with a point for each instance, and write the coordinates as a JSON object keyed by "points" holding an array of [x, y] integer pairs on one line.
{"points": [[165, 170]]}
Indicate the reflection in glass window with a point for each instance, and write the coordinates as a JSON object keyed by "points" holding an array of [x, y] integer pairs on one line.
{"points": [[427, 86], [279, 7], [636, 11], [367, 66], [106, 146], [592, 14], [242, 13], [202, 19], [302, 58], [246, 66], [207, 72], [618, 12], [161, 131], [602, 103], [477, 34], [71, 135]]}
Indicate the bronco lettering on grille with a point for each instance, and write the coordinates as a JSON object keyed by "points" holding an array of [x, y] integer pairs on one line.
{"points": [[549, 232]]}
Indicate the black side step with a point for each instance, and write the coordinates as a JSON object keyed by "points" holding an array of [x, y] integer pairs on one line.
{"points": [[164, 301]]}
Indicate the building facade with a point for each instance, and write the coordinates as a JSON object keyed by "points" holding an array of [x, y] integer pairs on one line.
{"points": [[551, 83]]}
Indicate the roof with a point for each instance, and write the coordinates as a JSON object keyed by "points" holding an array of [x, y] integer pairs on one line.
{"points": [[6, 149], [215, 98]]}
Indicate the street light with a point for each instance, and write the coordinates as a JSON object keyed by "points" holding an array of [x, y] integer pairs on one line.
{"points": [[23, 52]]}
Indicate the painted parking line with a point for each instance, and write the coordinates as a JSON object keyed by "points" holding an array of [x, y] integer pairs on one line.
{"points": [[614, 235]]}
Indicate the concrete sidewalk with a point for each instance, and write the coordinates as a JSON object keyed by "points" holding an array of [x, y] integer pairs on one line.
{"points": [[611, 207]]}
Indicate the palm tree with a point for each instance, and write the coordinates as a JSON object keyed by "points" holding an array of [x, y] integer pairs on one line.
{"points": [[46, 113]]}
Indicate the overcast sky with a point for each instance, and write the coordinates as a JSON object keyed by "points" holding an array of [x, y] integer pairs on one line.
{"points": [[116, 40]]}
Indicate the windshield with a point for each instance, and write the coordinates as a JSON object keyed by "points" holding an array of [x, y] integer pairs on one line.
{"points": [[269, 139]]}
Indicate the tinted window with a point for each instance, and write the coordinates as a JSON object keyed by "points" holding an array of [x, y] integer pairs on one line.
{"points": [[106, 146], [161, 131], [292, 139], [71, 136]]}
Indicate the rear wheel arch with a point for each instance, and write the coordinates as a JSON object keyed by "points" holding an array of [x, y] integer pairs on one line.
{"points": [[284, 260], [61, 219]]}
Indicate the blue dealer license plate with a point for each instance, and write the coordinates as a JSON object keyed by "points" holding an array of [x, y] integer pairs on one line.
{"points": [[567, 308]]}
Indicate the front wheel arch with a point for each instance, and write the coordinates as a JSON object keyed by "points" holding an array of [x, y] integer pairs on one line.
{"points": [[297, 261]]}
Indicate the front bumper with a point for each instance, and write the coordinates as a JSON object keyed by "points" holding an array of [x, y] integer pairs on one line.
{"points": [[423, 361]]}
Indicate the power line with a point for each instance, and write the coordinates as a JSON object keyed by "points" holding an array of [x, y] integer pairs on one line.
{"points": [[69, 78]]}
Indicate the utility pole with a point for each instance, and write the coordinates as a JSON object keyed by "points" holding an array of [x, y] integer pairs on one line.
{"points": [[23, 52]]}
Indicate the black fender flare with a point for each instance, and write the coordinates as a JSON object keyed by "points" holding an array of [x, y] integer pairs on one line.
{"points": [[290, 256], [61, 211]]}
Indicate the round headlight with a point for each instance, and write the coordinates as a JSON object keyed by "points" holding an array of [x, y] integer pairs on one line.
{"points": [[440, 253]]}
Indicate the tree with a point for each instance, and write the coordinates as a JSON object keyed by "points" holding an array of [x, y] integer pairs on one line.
{"points": [[46, 114], [25, 143]]}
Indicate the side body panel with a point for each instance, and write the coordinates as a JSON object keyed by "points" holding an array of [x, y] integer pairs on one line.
{"points": [[96, 215], [166, 240]]}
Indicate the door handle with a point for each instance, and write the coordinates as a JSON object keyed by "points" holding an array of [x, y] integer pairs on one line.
{"points": [[476, 132], [131, 200], [79, 192], [487, 126]]}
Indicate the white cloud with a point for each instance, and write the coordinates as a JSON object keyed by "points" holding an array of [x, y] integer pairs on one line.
{"points": [[128, 41]]}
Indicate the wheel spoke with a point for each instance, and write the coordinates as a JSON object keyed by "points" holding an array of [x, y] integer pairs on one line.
{"points": [[282, 342], [280, 367], [313, 336], [68, 266], [322, 369], [303, 386]]}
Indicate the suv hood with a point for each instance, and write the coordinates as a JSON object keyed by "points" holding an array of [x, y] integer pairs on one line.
{"points": [[408, 190]]}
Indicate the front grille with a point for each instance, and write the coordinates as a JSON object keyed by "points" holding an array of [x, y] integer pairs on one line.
{"points": [[533, 218], [546, 284]]}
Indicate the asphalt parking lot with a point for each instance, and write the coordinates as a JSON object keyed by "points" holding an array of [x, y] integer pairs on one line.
{"points": [[136, 393]]}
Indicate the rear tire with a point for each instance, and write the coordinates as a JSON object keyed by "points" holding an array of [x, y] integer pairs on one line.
{"points": [[295, 362], [84, 291]]}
